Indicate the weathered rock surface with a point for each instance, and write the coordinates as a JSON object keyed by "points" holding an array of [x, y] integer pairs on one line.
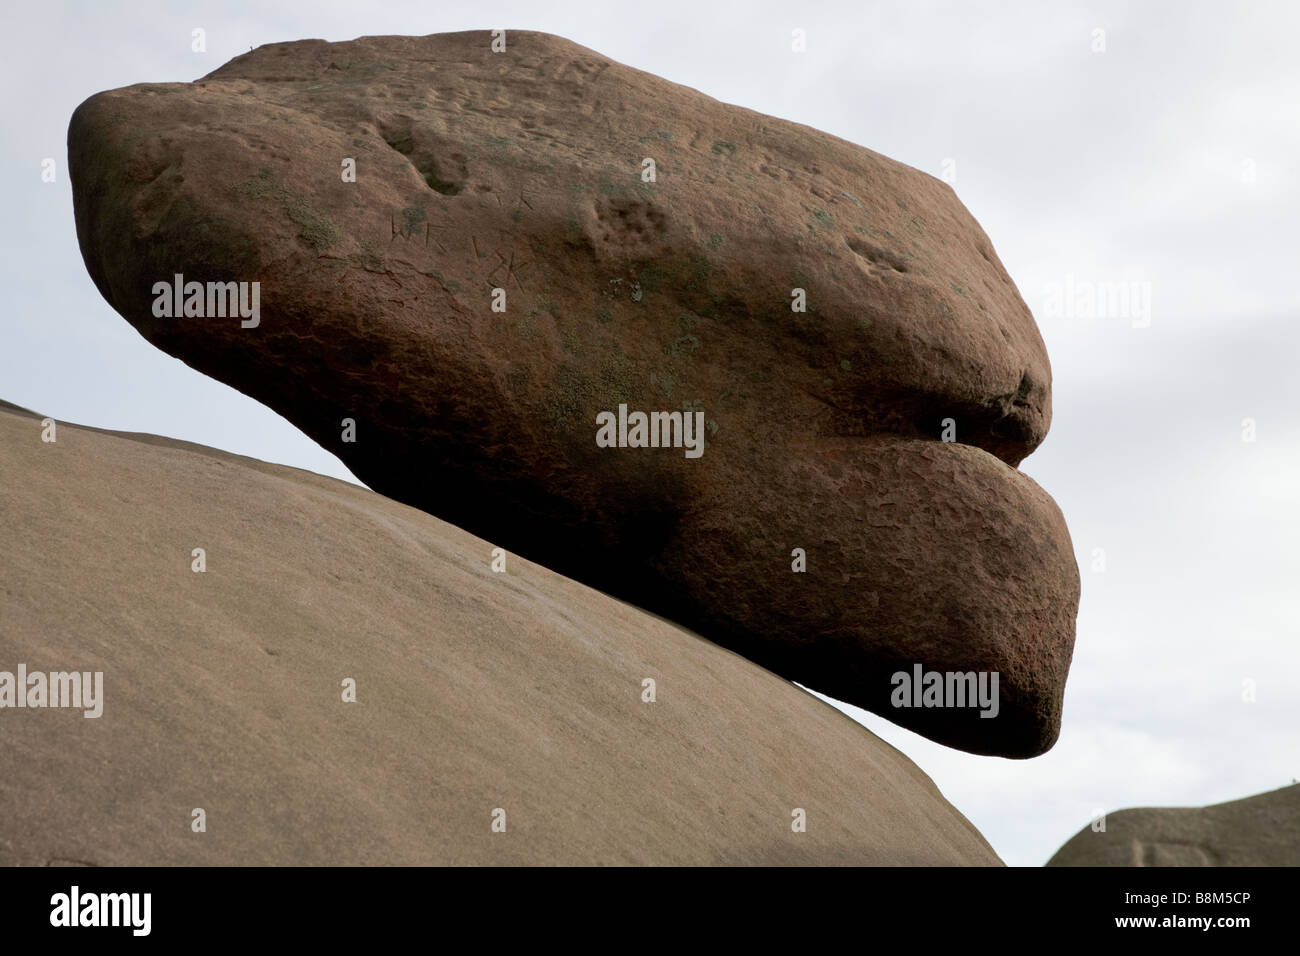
{"points": [[476, 690], [1263, 830], [521, 171]]}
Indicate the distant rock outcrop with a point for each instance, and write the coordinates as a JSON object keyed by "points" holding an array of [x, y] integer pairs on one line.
{"points": [[1263, 830], [537, 238], [483, 700]]}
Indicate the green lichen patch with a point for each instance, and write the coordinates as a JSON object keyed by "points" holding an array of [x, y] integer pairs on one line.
{"points": [[317, 230], [685, 347], [451, 285], [412, 218], [617, 375], [700, 269], [573, 394], [651, 278], [571, 343], [526, 328]]}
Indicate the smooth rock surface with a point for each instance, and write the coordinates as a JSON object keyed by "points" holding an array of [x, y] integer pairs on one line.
{"points": [[476, 690], [1263, 830], [521, 171]]}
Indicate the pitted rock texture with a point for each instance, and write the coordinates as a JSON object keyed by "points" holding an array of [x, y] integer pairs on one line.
{"points": [[1262, 830], [522, 171]]}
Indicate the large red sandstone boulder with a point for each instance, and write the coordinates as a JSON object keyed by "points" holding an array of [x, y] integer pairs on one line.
{"points": [[519, 177]]}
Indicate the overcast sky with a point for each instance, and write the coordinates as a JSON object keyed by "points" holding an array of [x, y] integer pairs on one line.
{"points": [[1159, 157]]}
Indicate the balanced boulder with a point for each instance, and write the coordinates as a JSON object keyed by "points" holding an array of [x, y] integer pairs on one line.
{"points": [[749, 376]]}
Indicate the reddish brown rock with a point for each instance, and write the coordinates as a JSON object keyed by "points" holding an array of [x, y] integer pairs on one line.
{"points": [[522, 171]]}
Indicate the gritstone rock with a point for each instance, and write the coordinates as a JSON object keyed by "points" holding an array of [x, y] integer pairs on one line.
{"points": [[1263, 830], [519, 179], [476, 691]]}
